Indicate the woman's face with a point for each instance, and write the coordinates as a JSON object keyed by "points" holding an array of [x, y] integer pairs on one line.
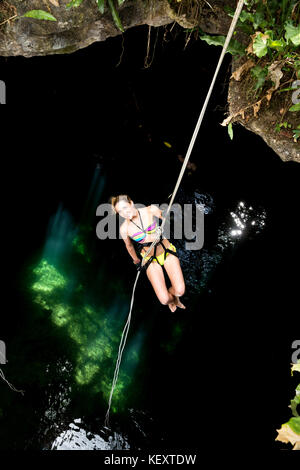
{"points": [[125, 209]]}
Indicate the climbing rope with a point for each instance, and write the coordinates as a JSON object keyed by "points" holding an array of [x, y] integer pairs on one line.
{"points": [[121, 348], [9, 384], [160, 229]]}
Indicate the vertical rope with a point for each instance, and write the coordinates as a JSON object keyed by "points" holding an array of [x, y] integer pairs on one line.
{"points": [[120, 352], [190, 148]]}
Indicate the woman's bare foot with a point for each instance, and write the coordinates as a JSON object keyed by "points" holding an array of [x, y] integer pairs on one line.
{"points": [[172, 306], [178, 303]]}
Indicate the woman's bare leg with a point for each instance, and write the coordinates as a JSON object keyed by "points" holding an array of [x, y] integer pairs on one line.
{"points": [[156, 277], [173, 268], [178, 303]]}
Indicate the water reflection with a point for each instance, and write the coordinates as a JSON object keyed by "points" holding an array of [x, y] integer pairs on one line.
{"points": [[137, 433], [245, 217], [78, 438], [241, 221]]}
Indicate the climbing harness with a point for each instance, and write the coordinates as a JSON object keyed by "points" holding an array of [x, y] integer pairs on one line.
{"points": [[159, 242], [159, 233], [166, 250]]}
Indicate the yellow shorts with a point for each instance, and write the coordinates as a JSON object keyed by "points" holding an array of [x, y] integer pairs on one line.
{"points": [[161, 257]]}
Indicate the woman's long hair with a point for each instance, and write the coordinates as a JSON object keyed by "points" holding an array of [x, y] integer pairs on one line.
{"points": [[115, 199]]}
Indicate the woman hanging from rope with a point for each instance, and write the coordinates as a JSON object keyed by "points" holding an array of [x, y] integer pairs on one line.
{"points": [[158, 257]]}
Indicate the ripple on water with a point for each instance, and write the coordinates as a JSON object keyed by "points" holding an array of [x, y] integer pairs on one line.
{"points": [[236, 223]]}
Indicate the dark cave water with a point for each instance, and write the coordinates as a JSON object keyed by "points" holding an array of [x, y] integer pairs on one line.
{"points": [[217, 372], [73, 298]]}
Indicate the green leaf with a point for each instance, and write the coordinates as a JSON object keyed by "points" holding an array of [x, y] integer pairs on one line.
{"points": [[260, 74], [39, 15], [74, 3], [296, 136], [295, 402], [259, 19], [278, 44], [292, 33], [229, 10], [101, 5], [269, 32], [230, 130], [294, 424], [234, 47], [115, 16], [295, 107], [260, 47], [245, 16], [285, 89], [120, 2]]}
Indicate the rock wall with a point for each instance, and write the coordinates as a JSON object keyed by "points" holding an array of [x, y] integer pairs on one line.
{"points": [[79, 27], [264, 120]]}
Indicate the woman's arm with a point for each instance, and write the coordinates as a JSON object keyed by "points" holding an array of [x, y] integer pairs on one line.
{"points": [[156, 211], [129, 245]]}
